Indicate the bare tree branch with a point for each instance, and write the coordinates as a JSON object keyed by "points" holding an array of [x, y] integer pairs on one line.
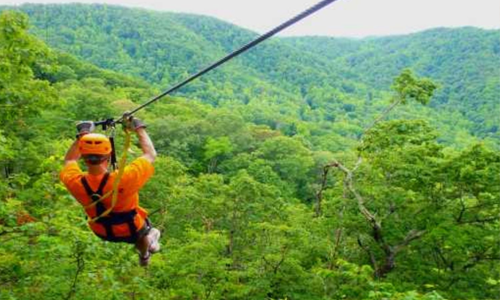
{"points": [[382, 116], [390, 251], [373, 260], [322, 188], [80, 265], [411, 236]]}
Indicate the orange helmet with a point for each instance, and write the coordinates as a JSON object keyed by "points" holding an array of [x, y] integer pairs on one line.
{"points": [[94, 143]]}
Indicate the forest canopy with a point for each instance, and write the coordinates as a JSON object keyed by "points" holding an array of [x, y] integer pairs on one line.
{"points": [[300, 171]]}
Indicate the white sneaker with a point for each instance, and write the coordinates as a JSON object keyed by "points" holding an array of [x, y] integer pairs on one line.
{"points": [[154, 238]]}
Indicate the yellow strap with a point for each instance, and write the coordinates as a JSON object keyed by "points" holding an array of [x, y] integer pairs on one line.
{"points": [[116, 182], [106, 195]]}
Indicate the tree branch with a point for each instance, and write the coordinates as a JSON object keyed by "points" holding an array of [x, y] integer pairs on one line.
{"points": [[323, 185], [382, 116], [80, 265], [370, 254], [348, 182], [411, 236]]}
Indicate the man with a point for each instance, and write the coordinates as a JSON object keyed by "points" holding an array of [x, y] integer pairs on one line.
{"points": [[126, 221]]}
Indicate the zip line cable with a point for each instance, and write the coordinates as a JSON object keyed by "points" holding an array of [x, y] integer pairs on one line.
{"points": [[223, 60]]}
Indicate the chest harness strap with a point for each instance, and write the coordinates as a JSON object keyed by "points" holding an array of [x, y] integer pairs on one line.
{"points": [[113, 218]]}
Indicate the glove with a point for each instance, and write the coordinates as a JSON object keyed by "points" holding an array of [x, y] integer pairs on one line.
{"points": [[133, 123], [136, 123], [84, 127]]}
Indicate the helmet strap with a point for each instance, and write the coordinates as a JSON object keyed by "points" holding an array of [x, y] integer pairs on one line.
{"points": [[95, 159]]}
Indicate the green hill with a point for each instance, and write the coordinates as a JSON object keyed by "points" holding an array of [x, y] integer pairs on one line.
{"points": [[465, 61], [266, 185], [320, 75]]}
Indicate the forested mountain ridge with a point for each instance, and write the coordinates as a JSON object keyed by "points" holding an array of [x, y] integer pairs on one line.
{"points": [[326, 77], [465, 61], [268, 194]]}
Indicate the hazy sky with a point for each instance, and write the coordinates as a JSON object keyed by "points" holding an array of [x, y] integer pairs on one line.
{"points": [[351, 18]]}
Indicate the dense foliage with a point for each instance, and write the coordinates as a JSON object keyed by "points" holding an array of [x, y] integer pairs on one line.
{"points": [[274, 186], [302, 82]]}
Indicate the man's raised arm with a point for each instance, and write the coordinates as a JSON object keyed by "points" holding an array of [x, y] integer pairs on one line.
{"points": [[148, 149], [73, 154]]}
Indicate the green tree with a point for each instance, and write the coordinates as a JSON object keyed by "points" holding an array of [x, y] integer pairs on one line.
{"points": [[215, 150]]}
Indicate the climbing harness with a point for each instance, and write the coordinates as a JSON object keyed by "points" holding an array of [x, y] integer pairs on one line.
{"points": [[107, 218], [98, 196]]}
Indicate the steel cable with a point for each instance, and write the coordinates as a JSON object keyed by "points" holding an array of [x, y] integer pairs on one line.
{"points": [[230, 56]]}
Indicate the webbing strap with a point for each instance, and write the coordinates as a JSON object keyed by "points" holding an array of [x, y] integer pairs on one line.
{"points": [[103, 184], [96, 197], [100, 189], [118, 218], [119, 175], [87, 187], [132, 239]]}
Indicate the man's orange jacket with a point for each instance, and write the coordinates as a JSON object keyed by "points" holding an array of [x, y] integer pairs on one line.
{"points": [[134, 177]]}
